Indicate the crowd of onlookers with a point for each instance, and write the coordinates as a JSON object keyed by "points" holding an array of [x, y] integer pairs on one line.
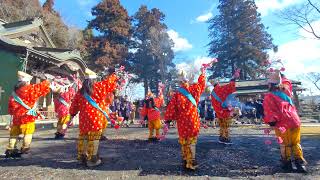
{"points": [[129, 110], [124, 108], [250, 111]]}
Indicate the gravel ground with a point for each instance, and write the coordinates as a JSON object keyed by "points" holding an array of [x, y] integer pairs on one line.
{"points": [[127, 155]]}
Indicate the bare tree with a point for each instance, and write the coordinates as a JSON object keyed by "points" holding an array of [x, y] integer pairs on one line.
{"points": [[18, 10], [303, 16], [314, 78], [75, 38]]}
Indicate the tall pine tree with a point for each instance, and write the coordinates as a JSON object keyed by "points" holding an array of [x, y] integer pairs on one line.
{"points": [[153, 48], [110, 46], [238, 39]]}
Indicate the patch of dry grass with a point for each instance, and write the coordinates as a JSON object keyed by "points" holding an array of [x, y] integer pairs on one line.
{"points": [[310, 130]]}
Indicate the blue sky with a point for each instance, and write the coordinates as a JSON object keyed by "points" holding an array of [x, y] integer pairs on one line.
{"points": [[186, 24]]}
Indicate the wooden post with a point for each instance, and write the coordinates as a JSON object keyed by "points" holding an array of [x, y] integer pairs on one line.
{"points": [[1, 91]]}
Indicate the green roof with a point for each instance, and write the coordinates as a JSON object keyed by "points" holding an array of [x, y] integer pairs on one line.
{"points": [[17, 29], [13, 38]]}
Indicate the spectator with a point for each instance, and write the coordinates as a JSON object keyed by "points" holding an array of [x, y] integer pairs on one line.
{"points": [[259, 109], [201, 107], [132, 113], [125, 112], [209, 113]]}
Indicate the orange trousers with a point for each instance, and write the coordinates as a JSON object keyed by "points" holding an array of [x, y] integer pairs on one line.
{"points": [[62, 124], [88, 144], [291, 144], [27, 130], [188, 150], [224, 124], [154, 125]]}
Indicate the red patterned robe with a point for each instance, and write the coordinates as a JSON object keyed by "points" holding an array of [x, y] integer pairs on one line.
{"points": [[222, 92], [184, 112], [61, 109], [279, 110], [90, 118], [152, 113], [29, 94]]}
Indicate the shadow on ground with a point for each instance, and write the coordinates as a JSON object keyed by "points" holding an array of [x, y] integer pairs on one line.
{"points": [[248, 156]]}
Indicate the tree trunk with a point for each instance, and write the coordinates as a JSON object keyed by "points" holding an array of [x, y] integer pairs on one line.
{"points": [[162, 71], [243, 72], [145, 84]]}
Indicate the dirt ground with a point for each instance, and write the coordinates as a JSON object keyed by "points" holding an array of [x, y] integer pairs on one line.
{"points": [[127, 155]]}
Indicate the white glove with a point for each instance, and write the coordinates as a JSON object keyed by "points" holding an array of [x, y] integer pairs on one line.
{"points": [[54, 87]]}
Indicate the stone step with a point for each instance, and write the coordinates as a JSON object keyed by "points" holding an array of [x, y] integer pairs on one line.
{"points": [[310, 120], [309, 115], [309, 110]]}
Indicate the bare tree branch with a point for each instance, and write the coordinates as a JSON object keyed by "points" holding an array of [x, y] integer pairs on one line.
{"points": [[314, 6], [314, 78], [312, 30], [302, 16]]}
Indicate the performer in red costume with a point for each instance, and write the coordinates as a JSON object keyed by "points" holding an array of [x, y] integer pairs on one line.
{"points": [[109, 100], [183, 108], [23, 108], [62, 103], [280, 113], [219, 99], [151, 110], [90, 101]]}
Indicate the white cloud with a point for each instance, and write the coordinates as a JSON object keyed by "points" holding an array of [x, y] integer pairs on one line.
{"points": [[300, 56], [188, 68], [201, 60], [86, 3], [180, 43], [193, 67], [315, 26], [204, 17], [183, 67], [195, 63], [266, 6]]}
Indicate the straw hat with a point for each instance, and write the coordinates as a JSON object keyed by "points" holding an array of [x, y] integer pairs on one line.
{"points": [[274, 77], [22, 76], [182, 76], [89, 74]]}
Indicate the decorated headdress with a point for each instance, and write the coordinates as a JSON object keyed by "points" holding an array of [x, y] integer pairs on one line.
{"points": [[274, 72], [64, 86], [149, 95], [89, 74], [214, 81], [274, 77], [182, 77], [22, 76]]}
